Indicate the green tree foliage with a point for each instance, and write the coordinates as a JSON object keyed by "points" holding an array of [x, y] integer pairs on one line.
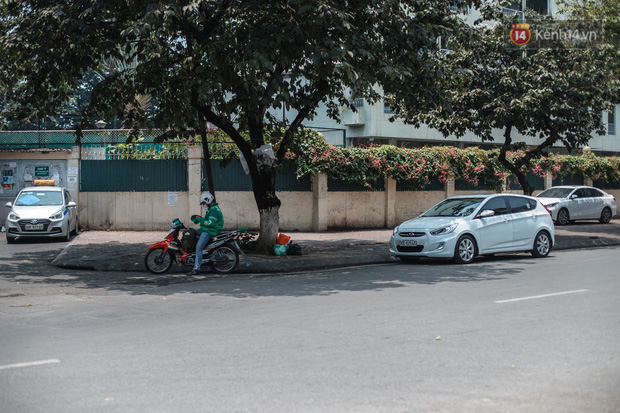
{"points": [[229, 63], [552, 95], [605, 11]]}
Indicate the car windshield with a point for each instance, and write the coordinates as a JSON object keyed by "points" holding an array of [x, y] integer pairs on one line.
{"points": [[39, 198], [555, 193], [454, 207]]}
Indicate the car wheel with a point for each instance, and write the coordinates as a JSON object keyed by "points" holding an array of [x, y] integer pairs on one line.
{"points": [[605, 216], [67, 236], [465, 250], [409, 259], [542, 245], [563, 217]]}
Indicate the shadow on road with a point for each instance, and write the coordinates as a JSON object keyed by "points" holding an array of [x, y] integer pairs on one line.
{"points": [[32, 267]]}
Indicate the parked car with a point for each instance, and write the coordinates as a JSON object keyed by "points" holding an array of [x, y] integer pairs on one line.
{"points": [[569, 203], [42, 211], [463, 227]]}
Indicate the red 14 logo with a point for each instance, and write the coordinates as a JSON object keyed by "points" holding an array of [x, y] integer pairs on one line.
{"points": [[520, 33]]}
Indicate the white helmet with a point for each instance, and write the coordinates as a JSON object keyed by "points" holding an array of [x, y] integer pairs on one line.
{"points": [[206, 197]]}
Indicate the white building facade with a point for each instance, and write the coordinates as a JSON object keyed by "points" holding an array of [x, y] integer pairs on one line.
{"points": [[370, 124]]}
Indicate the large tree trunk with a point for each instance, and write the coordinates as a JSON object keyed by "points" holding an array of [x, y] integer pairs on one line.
{"points": [[268, 207], [269, 228], [514, 168]]}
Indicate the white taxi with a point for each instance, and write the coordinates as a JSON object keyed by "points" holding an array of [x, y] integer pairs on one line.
{"points": [[42, 211]]}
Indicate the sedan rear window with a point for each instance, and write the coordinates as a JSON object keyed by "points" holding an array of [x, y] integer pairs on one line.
{"points": [[521, 204], [555, 193], [454, 207], [39, 198]]}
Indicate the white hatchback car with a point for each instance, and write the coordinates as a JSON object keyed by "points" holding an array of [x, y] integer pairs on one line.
{"points": [[42, 211], [569, 203], [464, 227]]}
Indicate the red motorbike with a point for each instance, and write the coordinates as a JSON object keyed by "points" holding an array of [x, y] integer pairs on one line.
{"points": [[221, 253]]}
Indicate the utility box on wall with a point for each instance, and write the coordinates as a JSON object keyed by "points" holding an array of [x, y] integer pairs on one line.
{"points": [[8, 171]]}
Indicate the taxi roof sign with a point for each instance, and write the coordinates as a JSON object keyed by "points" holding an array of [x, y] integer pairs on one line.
{"points": [[47, 182]]}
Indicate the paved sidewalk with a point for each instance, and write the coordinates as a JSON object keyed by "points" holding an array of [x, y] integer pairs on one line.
{"points": [[125, 250]]}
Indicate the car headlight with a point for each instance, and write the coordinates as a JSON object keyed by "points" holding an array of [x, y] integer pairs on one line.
{"points": [[57, 215], [13, 216], [395, 231], [444, 230], [553, 205]]}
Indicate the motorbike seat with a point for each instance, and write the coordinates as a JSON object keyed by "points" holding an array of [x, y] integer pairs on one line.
{"points": [[222, 235]]}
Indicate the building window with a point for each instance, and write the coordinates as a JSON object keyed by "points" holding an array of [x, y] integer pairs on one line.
{"points": [[539, 6], [357, 103], [512, 7], [516, 6], [611, 121]]}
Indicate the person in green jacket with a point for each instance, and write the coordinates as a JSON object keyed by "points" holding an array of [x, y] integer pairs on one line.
{"points": [[210, 226]]}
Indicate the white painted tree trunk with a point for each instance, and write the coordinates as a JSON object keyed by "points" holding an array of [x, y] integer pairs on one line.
{"points": [[269, 227]]}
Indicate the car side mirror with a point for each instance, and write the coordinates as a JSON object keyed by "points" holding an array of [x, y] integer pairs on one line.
{"points": [[9, 205], [573, 196], [71, 204], [486, 213]]}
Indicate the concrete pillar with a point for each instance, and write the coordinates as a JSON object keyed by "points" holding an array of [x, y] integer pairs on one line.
{"points": [[390, 202], [73, 173], [548, 180], [320, 213], [449, 188], [194, 179]]}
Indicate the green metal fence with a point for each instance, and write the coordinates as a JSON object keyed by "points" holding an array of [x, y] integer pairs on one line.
{"points": [[607, 185], [435, 185], [536, 182], [569, 180], [67, 138], [233, 178], [462, 185], [133, 175], [334, 185]]}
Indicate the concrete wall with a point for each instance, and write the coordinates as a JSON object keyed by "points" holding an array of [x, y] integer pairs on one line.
{"points": [[410, 204], [319, 210]]}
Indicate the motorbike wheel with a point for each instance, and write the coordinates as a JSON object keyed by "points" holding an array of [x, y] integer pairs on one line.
{"points": [[225, 260], [157, 261]]}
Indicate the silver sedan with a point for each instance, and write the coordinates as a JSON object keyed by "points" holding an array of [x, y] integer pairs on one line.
{"points": [[42, 211], [463, 227], [570, 203]]}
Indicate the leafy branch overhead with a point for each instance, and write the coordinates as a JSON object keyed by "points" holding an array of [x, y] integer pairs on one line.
{"points": [[233, 64]]}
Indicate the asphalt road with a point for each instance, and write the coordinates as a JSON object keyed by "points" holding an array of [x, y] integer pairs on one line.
{"points": [[508, 334]]}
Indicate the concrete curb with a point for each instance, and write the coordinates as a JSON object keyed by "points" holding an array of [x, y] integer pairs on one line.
{"points": [[125, 251]]}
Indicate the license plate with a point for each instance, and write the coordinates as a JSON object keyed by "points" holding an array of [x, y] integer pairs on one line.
{"points": [[34, 227], [408, 243]]}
